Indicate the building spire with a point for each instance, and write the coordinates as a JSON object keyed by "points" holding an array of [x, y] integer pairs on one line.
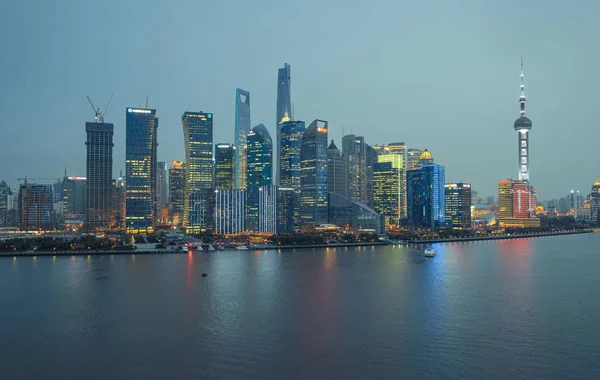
{"points": [[522, 98]]}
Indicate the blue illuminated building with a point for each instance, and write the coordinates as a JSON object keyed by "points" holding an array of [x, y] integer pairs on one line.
{"points": [[426, 194]]}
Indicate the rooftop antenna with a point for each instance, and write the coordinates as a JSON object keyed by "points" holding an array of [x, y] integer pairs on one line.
{"points": [[146, 102]]}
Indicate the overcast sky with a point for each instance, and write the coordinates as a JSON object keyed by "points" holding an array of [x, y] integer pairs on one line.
{"points": [[442, 75]]}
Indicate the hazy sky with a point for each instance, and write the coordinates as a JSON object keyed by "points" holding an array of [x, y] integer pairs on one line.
{"points": [[442, 75]]}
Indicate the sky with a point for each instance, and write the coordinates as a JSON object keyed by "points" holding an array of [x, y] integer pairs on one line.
{"points": [[441, 75]]}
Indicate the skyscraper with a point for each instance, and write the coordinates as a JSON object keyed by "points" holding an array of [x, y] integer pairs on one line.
{"points": [[177, 191], [74, 198], [225, 166], [198, 140], [284, 106], [458, 205], [290, 144], [337, 181], [595, 202], [242, 127], [162, 199], [140, 170], [99, 165], [523, 126], [120, 201], [313, 178], [5, 194], [505, 199], [354, 152], [286, 199], [426, 194], [230, 211], [386, 191], [399, 148], [395, 155], [259, 172], [412, 159]]}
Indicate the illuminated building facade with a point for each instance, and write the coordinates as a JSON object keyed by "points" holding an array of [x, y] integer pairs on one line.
{"points": [[284, 108], [337, 181], [522, 205], [225, 166], [354, 151], [5, 196], [35, 207], [426, 194], [242, 127], [198, 140], [120, 200], [286, 199], [230, 211], [458, 205], [140, 169], [267, 209], [505, 199], [595, 202], [394, 154], [289, 161], [201, 216], [412, 159], [516, 204], [313, 177], [386, 191], [162, 189], [177, 191], [259, 157], [99, 165]]}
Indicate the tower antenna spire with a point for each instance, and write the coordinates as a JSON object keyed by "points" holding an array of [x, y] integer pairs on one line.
{"points": [[522, 98]]}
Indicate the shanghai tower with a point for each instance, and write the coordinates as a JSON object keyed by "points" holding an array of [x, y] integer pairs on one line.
{"points": [[284, 105], [523, 126]]}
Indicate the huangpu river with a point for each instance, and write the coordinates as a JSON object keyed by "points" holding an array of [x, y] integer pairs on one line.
{"points": [[507, 309]]}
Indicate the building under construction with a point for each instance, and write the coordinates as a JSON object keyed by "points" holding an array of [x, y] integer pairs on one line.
{"points": [[35, 207]]}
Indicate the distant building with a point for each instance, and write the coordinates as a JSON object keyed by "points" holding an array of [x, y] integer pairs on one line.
{"points": [[458, 205], [35, 207], [289, 161], [230, 211], [399, 149], [286, 199], [387, 192], [284, 109], [74, 200], [426, 194], [354, 215], [337, 180], [97, 188], [120, 198], [313, 178], [162, 189], [267, 209], [595, 202], [394, 154], [259, 172], [140, 170], [505, 199], [225, 166], [198, 141], [177, 191], [5, 195], [412, 159], [202, 213], [354, 151], [242, 127]]}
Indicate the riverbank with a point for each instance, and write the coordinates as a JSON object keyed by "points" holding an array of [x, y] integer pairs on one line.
{"points": [[496, 237]]}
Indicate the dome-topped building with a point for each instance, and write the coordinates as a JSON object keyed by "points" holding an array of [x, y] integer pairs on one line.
{"points": [[426, 157]]}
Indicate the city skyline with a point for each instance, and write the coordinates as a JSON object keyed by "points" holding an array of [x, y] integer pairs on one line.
{"points": [[427, 100]]}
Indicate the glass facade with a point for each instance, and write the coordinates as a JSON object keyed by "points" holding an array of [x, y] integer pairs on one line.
{"points": [[225, 166], [140, 170], [259, 172], [35, 207], [396, 159], [177, 191], [284, 105], [313, 177], [352, 214], [229, 211], [99, 165], [458, 205], [286, 199], [242, 127], [386, 191], [198, 141], [426, 196], [337, 180], [74, 198]]}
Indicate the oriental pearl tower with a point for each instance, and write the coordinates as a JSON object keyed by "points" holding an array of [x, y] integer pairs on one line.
{"points": [[523, 126]]}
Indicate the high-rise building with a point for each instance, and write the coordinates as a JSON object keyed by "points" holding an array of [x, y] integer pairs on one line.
{"points": [[35, 207], [198, 140], [99, 165], [354, 152], [336, 171], [120, 199], [225, 166], [522, 202], [595, 202], [289, 161], [426, 194], [386, 191], [267, 209], [242, 127], [284, 107], [162, 197], [458, 205], [230, 211], [177, 191], [286, 199], [370, 160], [201, 215], [74, 198], [5, 195], [523, 126], [412, 159], [313, 178], [516, 204], [259, 171], [505, 199], [140, 170], [394, 154]]}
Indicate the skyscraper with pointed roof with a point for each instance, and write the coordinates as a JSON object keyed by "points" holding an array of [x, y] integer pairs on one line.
{"points": [[284, 107]]}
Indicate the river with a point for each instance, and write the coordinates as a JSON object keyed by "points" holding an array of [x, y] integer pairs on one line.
{"points": [[507, 309]]}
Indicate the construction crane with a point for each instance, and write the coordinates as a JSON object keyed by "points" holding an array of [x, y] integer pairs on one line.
{"points": [[99, 116]]}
